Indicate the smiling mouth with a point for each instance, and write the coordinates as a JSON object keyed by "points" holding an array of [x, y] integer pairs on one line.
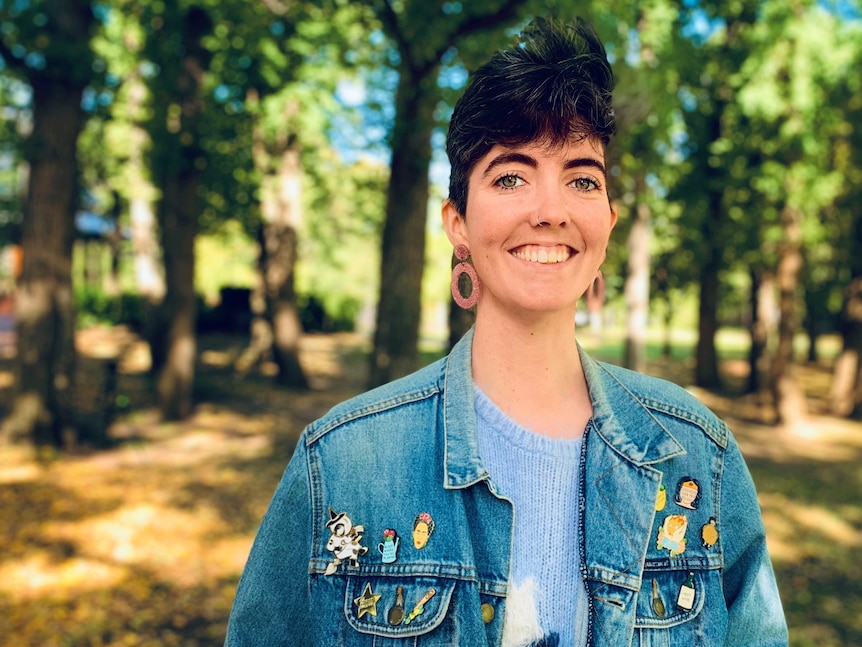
{"points": [[542, 254]]}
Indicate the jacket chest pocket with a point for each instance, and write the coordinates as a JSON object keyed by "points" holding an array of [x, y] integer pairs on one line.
{"points": [[669, 608], [400, 611]]}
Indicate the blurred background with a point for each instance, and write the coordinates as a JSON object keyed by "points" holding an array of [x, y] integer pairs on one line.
{"points": [[218, 218]]}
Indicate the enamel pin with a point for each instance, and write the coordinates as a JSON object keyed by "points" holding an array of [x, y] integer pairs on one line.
{"points": [[687, 493], [420, 606], [661, 499], [367, 602], [671, 535], [388, 548], [423, 527], [396, 613], [343, 541], [685, 600], [709, 533]]}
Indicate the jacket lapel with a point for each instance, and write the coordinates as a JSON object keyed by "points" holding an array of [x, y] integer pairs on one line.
{"points": [[620, 490]]}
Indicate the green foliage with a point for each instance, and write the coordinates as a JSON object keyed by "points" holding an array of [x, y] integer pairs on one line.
{"points": [[94, 307]]}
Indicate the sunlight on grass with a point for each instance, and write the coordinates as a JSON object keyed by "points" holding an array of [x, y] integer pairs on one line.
{"points": [[38, 574], [143, 543], [797, 531]]}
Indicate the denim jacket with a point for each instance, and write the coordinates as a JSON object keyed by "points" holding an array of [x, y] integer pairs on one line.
{"points": [[669, 513]]}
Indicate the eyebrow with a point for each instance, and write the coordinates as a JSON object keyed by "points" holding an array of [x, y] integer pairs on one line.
{"points": [[528, 160]]}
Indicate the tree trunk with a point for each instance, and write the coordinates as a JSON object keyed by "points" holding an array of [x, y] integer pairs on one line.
{"points": [[174, 341], [149, 280], [276, 328], [760, 299], [396, 334], [846, 394], [637, 282], [278, 255], [44, 299], [790, 405], [706, 357], [175, 366]]}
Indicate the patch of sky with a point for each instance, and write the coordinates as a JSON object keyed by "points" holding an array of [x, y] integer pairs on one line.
{"points": [[654, 183], [102, 12], [687, 99], [846, 9], [452, 8], [633, 48], [439, 170], [453, 76], [277, 28], [148, 69], [222, 93], [611, 52], [700, 27], [35, 60], [92, 100], [360, 131]]}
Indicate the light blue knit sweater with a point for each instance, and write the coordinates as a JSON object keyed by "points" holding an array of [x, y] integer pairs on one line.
{"points": [[541, 477]]}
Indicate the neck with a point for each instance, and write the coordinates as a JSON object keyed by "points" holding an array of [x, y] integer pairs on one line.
{"points": [[533, 372]]}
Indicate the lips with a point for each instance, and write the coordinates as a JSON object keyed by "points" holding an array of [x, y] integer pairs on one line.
{"points": [[543, 254]]}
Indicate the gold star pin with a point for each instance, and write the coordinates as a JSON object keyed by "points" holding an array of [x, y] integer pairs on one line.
{"points": [[367, 602]]}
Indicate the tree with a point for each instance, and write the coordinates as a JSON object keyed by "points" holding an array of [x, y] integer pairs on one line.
{"points": [[177, 162], [846, 216], [47, 43], [785, 96], [422, 34]]}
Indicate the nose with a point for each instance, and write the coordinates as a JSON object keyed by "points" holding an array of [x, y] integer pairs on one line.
{"points": [[549, 209]]}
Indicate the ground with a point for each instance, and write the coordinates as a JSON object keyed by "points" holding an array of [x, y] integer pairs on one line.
{"points": [[142, 542]]}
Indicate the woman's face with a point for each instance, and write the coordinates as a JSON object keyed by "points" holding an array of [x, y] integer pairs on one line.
{"points": [[537, 224], [420, 534]]}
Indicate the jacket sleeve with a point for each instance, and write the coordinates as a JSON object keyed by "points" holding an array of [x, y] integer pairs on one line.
{"points": [[272, 598], [755, 615]]}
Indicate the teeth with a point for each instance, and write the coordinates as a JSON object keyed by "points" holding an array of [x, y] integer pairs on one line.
{"points": [[543, 255]]}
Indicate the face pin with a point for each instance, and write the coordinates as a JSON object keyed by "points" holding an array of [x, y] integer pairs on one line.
{"points": [[423, 526], [671, 535], [344, 541], [687, 493]]}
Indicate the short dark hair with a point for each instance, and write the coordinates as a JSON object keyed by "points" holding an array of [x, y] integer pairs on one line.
{"points": [[555, 83]]}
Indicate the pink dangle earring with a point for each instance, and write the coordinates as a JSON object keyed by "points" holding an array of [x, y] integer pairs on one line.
{"points": [[462, 253]]}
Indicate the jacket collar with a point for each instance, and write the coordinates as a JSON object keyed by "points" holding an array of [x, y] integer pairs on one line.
{"points": [[463, 466], [621, 419]]}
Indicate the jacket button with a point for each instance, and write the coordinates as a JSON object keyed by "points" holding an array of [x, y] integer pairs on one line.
{"points": [[487, 613]]}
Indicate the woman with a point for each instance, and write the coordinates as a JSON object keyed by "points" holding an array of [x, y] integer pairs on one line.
{"points": [[546, 498]]}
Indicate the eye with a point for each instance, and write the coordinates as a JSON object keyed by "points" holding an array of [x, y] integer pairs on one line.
{"points": [[584, 184], [509, 181]]}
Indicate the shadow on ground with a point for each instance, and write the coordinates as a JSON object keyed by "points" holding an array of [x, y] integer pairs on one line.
{"points": [[142, 543]]}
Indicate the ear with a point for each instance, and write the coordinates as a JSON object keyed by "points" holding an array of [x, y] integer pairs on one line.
{"points": [[454, 224], [614, 214]]}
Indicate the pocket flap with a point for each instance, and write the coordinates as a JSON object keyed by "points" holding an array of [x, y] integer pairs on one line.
{"points": [[425, 602], [669, 598]]}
